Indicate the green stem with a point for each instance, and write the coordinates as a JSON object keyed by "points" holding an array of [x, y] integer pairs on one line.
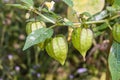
{"points": [[107, 22], [28, 59], [44, 16], [36, 57], [100, 21], [89, 22], [53, 26], [56, 25]]}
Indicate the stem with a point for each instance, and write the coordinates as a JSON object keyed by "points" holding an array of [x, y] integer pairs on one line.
{"points": [[56, 25], [28, 59], [44, 16], [2, 36], [107, 22], [89, 22], [100, 21], [53, 26], [37, 56]]}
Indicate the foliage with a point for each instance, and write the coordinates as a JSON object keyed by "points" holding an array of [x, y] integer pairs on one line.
{"points": [[114, 61]]}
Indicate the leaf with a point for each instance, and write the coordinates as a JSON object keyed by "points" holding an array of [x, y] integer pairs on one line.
{"points": [[114, 61], [17, 6], [98, 33], [69, 2], [99, 16], [116, 4], [28, 3], [100, 27], [111, 9], [98, 30], [80, 6], [38, 36]]}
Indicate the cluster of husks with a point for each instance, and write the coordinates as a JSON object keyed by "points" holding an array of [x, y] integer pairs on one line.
{"points": [[57, 47]]}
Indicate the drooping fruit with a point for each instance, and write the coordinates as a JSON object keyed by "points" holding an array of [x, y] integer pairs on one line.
{"points": [[82, 40], [57, 48], [116, 32], [31, 26]]}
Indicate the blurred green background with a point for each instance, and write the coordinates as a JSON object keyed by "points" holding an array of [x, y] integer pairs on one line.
{"points": [[32, 64]]}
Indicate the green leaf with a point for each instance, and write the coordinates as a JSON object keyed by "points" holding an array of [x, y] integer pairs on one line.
{"points": [[100, 27], [116, 4], [111, 9], [18, 6], [69, 2], [98, 33], [38, 36], [114, 61], [99, 16], [98, 30], [28, 3]]}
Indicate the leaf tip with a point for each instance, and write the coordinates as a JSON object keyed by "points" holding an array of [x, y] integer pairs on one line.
{"points": [[23, 49]]}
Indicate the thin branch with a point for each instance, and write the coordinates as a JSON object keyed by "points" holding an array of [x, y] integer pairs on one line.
{"points": [[89, 22], [100, 21], [44, 16]]}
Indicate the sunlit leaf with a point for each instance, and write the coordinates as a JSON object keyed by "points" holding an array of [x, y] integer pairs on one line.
{"points": [[81, 6], [37, 36]]}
